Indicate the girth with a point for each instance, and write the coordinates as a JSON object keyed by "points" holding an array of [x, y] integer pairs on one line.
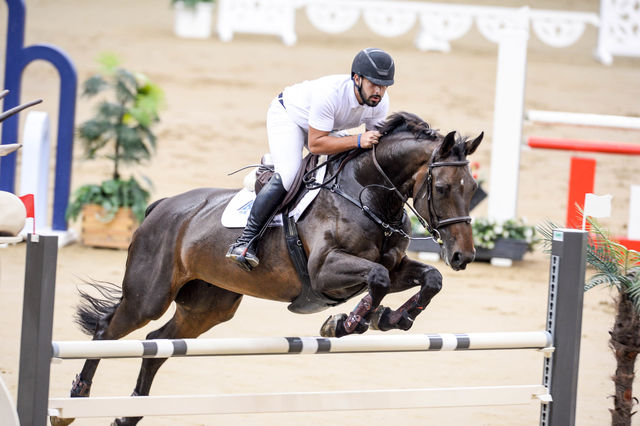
{"points": [[308, 301]]}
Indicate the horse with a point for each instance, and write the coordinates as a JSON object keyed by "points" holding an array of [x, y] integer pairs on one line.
{"points": [[356, 233]]}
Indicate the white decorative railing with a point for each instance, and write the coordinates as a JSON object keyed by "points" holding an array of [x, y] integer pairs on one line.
{"points": [[620, 30], [276, 17], [439, 23]]}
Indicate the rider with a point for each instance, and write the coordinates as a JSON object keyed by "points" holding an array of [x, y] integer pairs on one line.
{"points": [[307, 114]]}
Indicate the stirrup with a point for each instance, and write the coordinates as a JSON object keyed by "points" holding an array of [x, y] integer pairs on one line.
{"points": [[243, 256]]}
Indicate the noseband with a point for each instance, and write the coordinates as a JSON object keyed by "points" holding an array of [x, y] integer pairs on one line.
{"points": [[434, 223]]}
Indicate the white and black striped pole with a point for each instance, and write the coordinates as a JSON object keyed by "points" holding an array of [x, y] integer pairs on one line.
{"points": [[564, 323], [165, 348]]}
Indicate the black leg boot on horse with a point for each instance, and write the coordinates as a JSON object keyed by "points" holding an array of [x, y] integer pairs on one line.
{"points": [[243, 251]]}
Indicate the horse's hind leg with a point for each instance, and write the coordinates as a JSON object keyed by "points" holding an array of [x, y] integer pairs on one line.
{"points": [[110, 319], [199, 307], [125, 318]]}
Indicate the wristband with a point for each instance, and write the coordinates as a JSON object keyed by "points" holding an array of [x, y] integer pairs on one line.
{"points": [[359, 135]]}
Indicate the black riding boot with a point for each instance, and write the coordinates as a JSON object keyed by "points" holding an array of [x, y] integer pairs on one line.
{"points": [[243, 251]]}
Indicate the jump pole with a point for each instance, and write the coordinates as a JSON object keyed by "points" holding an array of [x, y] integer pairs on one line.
{"points": [[564, 144], [558, 390], [580, 119]]}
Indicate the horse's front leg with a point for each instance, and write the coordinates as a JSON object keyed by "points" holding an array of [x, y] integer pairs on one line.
{"points": [[409, 273], [341, 271]]}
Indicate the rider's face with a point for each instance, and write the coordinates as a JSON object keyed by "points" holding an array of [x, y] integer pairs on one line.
{"points": [[371, 93]]}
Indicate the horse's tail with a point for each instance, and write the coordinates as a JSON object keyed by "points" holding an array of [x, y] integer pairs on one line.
{"points": [[92, 310], [153, 206]]}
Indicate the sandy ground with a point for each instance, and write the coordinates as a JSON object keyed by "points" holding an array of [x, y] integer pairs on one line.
{"points": [[214, 122]]}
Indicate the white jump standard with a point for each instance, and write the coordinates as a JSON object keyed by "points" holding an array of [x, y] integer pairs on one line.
{"points": [[557, 392]]}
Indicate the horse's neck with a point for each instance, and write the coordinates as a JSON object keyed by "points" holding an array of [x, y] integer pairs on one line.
{"points": [[398, 159], [362, 180]]}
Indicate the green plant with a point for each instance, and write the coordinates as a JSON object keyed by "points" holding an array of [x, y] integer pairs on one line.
{"points": [[487, 231], [120, 131], [111, 195], [616, 267], [191, 3]]}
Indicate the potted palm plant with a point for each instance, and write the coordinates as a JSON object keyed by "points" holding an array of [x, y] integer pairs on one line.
{"points": [[192, 18], [120, 131]]}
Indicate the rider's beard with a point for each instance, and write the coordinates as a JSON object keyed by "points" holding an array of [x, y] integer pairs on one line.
{"points": [[373, 102], [366, 98]]}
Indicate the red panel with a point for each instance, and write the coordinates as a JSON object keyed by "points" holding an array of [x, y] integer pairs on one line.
{"points": [[630, 244], [581, 181]]}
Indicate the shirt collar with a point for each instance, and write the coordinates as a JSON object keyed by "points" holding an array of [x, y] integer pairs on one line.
{"points": [[353, 100]]}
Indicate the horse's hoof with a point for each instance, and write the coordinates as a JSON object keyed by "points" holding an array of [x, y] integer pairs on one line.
{"points": [[59, 421], [406, 322], [330, 326], [377, 318], [80, 387], [126, 421]]}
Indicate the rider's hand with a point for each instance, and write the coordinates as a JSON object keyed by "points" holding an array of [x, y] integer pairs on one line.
{"points": [[369, 138]]}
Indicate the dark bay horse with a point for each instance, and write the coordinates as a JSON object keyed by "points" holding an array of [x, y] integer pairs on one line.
{"points": [[178, 252]]}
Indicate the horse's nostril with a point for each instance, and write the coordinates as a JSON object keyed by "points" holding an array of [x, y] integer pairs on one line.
{"points": [[460, 260]]}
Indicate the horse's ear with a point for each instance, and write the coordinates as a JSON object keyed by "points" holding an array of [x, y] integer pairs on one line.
{"points": [[471, 146], [447, 145]]}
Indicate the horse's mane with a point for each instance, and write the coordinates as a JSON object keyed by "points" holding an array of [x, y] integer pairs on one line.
{"points": [[408, 122]]}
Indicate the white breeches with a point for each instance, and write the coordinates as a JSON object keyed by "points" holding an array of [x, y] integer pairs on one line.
{"points": [[286, 141]]}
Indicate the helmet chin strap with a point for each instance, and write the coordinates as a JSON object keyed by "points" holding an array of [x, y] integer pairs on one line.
{"points": [[360, 90]]}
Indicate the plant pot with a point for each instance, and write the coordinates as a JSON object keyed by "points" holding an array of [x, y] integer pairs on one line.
{"points": [[504, 249], [114, 234], [424, 245], [192, 22]]}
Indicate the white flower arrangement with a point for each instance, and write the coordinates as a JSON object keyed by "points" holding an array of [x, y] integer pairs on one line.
{"points": [[487, 231]]}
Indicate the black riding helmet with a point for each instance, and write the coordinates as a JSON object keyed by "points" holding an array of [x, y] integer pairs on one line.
{"points": [[375, 65]]}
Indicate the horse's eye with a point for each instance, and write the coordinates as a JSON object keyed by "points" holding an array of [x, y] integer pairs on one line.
{"points": [[441, 189]]}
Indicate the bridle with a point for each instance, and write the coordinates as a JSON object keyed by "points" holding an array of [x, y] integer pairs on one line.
{"points": [[434, 223]]}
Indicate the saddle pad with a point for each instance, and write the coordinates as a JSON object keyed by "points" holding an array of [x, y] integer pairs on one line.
{"points": [[236, 213]]}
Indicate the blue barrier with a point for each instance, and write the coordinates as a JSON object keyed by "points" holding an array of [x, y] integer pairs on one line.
{"points": [[17, 58]]}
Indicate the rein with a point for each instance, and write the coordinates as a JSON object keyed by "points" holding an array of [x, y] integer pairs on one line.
{"points": [[311, 184], [432, 225]]}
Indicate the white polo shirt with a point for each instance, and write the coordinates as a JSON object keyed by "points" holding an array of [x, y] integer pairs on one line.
{"points": [[329, 104]]}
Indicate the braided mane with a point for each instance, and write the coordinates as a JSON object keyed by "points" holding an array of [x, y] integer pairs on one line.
{"points": [[408, 122]]}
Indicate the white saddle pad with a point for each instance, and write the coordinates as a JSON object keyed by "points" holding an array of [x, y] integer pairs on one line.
{"points": [[236, 213]]}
